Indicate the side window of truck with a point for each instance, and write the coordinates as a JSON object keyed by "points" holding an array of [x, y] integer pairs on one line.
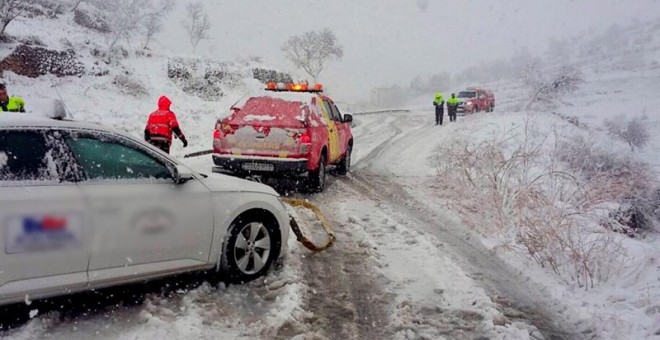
{"points": [[336, 114], [333, 113], [328, 109]]}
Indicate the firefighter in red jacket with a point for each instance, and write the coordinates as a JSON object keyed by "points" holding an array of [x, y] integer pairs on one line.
{"points": [[160, 126]]}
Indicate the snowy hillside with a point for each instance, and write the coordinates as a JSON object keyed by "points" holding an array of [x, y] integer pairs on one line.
{"points": [[545, 186], [121, 93]]}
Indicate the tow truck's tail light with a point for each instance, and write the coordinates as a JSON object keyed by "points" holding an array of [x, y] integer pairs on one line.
{"points": [[306, 138], [217, 134]]}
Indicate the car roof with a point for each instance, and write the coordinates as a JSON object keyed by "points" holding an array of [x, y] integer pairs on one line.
{"points": [[13, 120], [27, 120]]}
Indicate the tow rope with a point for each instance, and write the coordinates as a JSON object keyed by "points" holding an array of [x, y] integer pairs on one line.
{"points": [[198, 153], [294, 202]]}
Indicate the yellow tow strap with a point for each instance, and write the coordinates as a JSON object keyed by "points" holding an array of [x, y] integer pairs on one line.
{"points": [[294, 202]]}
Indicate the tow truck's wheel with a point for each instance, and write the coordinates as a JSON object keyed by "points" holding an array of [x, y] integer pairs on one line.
{"points": [[252, 245], [345, 165], [316, 179]]}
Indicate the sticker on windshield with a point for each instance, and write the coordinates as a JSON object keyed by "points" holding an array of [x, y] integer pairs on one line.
{"points": [[46, 232]]}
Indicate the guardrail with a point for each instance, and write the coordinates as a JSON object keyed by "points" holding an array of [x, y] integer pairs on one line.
{"points": [[379, 111]]}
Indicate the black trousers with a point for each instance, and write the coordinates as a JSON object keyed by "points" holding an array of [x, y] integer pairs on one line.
{"points": [[161, 144], [439, 114], [452, 114]]}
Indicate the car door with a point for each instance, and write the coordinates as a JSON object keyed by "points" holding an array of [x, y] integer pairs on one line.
{"points": [[45, 228], [144, 223], [344, 129], [333, 131]]}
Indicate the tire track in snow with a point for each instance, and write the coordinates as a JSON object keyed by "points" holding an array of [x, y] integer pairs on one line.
{"points": [[344, 294]]}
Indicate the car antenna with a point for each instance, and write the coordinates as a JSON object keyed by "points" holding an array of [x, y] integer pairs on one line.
{"points": [[66, 110]]}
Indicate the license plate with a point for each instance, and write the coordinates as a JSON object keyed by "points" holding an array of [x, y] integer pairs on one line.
{"points": [[258, 167]]}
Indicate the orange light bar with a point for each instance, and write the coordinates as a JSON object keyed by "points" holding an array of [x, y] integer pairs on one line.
{"points": [[296, 87]]}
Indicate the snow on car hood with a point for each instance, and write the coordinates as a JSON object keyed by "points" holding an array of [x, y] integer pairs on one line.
{"points": [[219, 182]]}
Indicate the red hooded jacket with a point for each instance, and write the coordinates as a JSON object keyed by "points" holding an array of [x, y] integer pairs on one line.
{"points": [[162, 122]]}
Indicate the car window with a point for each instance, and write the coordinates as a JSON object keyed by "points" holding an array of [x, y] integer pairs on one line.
{"points": [[327, 109], [25, 156], [102, 158], [333, 115], [336, 113]]}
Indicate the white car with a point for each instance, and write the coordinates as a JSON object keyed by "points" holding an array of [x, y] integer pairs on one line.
{"points": [[85, 207]]}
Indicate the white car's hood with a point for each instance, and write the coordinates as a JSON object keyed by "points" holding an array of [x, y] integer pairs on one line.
{"points": [[220, 182]]}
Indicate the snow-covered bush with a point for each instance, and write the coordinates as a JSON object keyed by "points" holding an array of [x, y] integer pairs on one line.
{"points": [[548, 88], [265, 75], [130, 86], [204, 78], [37, 61], [507, 186], [634, 132], [614, 182], [91, 21]]}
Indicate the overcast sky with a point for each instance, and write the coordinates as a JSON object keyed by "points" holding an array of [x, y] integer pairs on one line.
{"points": [[389, 42]]}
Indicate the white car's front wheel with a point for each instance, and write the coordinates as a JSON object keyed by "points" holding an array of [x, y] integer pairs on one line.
{"points": [[252, 245]]}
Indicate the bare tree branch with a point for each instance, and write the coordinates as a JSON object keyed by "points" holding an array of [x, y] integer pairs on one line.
{"points": [[196, 23], [76, 4], [126, 16], [310, 51], [153, 24]]}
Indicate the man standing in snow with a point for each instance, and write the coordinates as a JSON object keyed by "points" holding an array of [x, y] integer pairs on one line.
{"points": [[10, 104], [439, 104], [160, 126], [452, 106]]}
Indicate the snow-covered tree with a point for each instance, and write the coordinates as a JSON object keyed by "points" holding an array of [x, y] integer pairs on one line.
{"points": [[544, 88], [75, 4], [10, 10], [196, 23], [126, 16], [153, 24], [312, 50], [634, 132]]}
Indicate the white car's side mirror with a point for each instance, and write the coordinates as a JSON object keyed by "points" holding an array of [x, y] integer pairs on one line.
{"points": [[182, 175]]}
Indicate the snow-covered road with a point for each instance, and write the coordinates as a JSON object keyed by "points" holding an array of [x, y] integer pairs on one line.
{"points": [[439, 281], [402, 268]]}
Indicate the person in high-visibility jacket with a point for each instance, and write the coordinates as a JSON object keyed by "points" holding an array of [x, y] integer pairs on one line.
{"points": [[452, 106], [161, 125], [10, 104], [439, 104]]}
